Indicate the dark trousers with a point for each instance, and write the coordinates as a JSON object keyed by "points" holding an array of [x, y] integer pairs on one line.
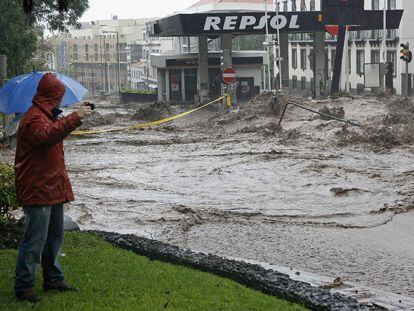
{"points": [[43, 238]]}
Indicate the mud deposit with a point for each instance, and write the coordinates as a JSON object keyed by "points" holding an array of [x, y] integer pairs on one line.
{"points": [[317, 195]]}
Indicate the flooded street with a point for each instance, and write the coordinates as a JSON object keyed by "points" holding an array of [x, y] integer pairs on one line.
{"points": [[312, 196], [223, 182]]}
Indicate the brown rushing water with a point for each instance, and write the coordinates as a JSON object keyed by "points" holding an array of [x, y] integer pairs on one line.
{"points": [[217, 183]]}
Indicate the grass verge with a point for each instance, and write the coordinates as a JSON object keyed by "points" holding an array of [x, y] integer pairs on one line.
{"points": [[110, 278]]}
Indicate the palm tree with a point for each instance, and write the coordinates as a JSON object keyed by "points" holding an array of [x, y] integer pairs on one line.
{"points": [[62, 5]]}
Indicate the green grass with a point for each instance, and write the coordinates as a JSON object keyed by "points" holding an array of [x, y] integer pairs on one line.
{"points": [[110, 278]]}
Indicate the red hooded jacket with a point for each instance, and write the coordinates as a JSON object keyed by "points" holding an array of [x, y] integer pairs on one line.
{"points": [[41, 177]]}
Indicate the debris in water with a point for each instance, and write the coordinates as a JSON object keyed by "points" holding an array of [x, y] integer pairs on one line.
{"points": [[153, 112], [337, 112]]}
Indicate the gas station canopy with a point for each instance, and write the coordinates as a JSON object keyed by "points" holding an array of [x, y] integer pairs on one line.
{"points": [[214, 17]]}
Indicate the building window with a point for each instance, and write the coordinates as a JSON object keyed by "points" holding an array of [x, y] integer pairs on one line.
{"points": [[303, 83], [294, 58], [375, 4], [75, 48], [86, 48], [312, 5], [285, 6], [360, 62], [294, 82], [392, 58], [294, 9], [96, 57], [303, 59], [333, 55], [95, 46], [391, 5], [375, 56], [349, 61]]}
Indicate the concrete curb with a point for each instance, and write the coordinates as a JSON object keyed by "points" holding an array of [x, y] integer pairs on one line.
{"points": [[252, 275], [364, 294]]}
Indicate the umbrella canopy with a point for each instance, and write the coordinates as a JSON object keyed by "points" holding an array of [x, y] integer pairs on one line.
{"points": [[17, 94]]}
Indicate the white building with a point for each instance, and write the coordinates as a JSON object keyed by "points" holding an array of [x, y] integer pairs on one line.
{"points": [[99, 51], [364, 47], [138, 76], [150, 46]]}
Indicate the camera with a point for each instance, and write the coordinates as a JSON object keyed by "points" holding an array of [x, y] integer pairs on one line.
{"points": [[92, 105]]}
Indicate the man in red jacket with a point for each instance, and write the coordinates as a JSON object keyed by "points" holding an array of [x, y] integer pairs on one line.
{"points": [[43, 186]]}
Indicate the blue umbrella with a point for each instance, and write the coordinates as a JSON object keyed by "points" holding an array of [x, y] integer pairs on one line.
{"points": [[17, 94]]}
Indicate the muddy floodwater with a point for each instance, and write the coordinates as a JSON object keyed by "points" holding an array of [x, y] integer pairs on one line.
{"points": [[317, 195]]}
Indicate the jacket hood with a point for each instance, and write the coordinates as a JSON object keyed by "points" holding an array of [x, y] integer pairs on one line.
{"points": [[49, 92]]}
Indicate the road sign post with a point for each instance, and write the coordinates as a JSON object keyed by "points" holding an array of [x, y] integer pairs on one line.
{"points": [[229, 78], [406, 56]]}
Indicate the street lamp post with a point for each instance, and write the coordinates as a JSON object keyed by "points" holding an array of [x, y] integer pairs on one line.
{"points": [[129, 69], [117, 56], [106, 66], [102, 63], [93, 87], [276, 3]]}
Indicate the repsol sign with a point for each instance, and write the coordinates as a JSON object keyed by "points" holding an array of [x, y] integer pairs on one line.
{"points": [[237, 23], [255, 23], [250, 22]]}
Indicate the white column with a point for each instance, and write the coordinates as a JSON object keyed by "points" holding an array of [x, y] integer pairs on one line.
{"points": [[161, 90], [203, 77], [319, 61]]}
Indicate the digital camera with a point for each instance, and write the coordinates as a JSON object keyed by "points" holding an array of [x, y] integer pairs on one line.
{"points": [[92, 105]]}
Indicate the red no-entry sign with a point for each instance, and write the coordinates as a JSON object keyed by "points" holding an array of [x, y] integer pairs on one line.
{"points": [[229, 75]]}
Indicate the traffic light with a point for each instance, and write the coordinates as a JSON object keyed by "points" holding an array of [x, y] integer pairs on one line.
{"points": [[341, 12], [406, 54]]}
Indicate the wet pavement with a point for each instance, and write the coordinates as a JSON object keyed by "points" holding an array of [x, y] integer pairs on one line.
{"points": [[312, 196]]}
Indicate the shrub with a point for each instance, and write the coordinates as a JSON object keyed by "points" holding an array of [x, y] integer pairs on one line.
{"points": [[144, 92], [8, 197]]}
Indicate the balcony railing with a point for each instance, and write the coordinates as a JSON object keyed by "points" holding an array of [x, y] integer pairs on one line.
{"points": [[359, 35], [300, 37]]}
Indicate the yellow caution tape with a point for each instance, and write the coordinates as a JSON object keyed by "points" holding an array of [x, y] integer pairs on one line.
{"points": [[148, 124]]}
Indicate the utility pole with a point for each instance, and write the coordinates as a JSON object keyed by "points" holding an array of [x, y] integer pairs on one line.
{"points": [[407, 57], [268, 49], [406, 78]]}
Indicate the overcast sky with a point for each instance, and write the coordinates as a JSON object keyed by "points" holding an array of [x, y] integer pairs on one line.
{"points": [[103, 9]]}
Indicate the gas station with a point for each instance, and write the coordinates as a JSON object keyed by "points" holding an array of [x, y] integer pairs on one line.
{"points": [[185, 75]]}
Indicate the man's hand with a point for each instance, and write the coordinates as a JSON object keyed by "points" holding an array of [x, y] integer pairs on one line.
{"points": [[84, 111]]}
